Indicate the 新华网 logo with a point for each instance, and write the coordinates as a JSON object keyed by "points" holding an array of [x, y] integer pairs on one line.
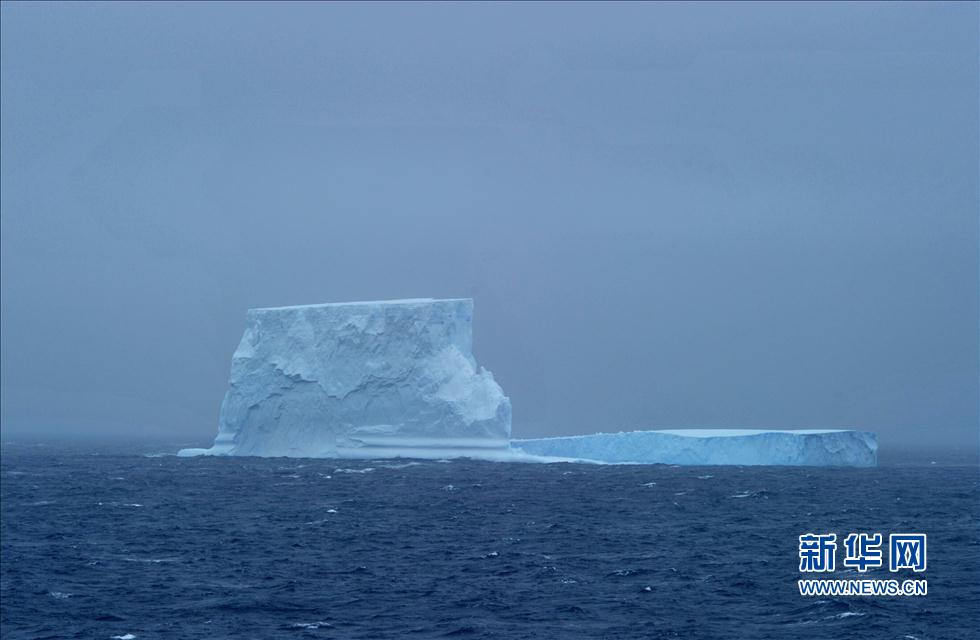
{"points": [[863, 552]]}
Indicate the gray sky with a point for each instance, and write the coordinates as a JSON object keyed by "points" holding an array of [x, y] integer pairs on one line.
{"points": [[669, 216]]}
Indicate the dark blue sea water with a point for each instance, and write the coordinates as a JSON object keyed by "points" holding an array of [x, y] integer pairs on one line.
{"points": [[98, 544]]}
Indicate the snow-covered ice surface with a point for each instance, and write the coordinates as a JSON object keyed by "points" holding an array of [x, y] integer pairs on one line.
{"points": [[809, 447], [362, 380]]}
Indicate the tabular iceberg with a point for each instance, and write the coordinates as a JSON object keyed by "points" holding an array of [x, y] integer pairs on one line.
{"points": [[715, 446], [397, 379], [361, 380]]}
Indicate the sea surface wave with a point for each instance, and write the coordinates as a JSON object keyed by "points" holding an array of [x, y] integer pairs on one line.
{"points": [[104, 545]]}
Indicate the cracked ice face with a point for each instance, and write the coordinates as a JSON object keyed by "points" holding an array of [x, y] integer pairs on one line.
{"points": [[340, 379]]}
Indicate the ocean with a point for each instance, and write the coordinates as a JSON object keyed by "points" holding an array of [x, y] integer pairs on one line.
{"points": [[105, 543]]}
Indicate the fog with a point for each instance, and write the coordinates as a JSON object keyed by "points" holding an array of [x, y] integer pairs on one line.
{"points": [[758, 216]]}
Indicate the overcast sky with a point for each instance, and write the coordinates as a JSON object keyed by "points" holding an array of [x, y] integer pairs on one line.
{"points": [[757, 216]]}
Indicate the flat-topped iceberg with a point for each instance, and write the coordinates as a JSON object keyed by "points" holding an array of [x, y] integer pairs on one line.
{"points": [[715, 446], [361, 380], [397, 378]]}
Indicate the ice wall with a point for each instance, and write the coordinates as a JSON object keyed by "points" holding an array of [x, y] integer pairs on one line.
{"points": [[361, 379], [715, 446]]}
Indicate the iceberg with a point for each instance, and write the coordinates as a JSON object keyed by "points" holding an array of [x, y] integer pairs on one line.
{"points": [[397, 378], [361, 380], [811, 447]]}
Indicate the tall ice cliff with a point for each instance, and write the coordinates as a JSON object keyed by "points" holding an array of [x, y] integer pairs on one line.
{"points": [[361, 379]]}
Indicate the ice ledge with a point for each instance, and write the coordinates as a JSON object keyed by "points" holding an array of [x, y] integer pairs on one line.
{"points": [[809, 447]]}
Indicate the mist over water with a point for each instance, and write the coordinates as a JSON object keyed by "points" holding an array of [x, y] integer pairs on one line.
{"points": [[759, 216]]}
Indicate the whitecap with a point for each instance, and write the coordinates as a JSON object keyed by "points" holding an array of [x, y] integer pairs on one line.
{"points": [[128, 636], [845, 614], [364, 470], [309, 625], [400, 466], [61, 595], [153, 560]]}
